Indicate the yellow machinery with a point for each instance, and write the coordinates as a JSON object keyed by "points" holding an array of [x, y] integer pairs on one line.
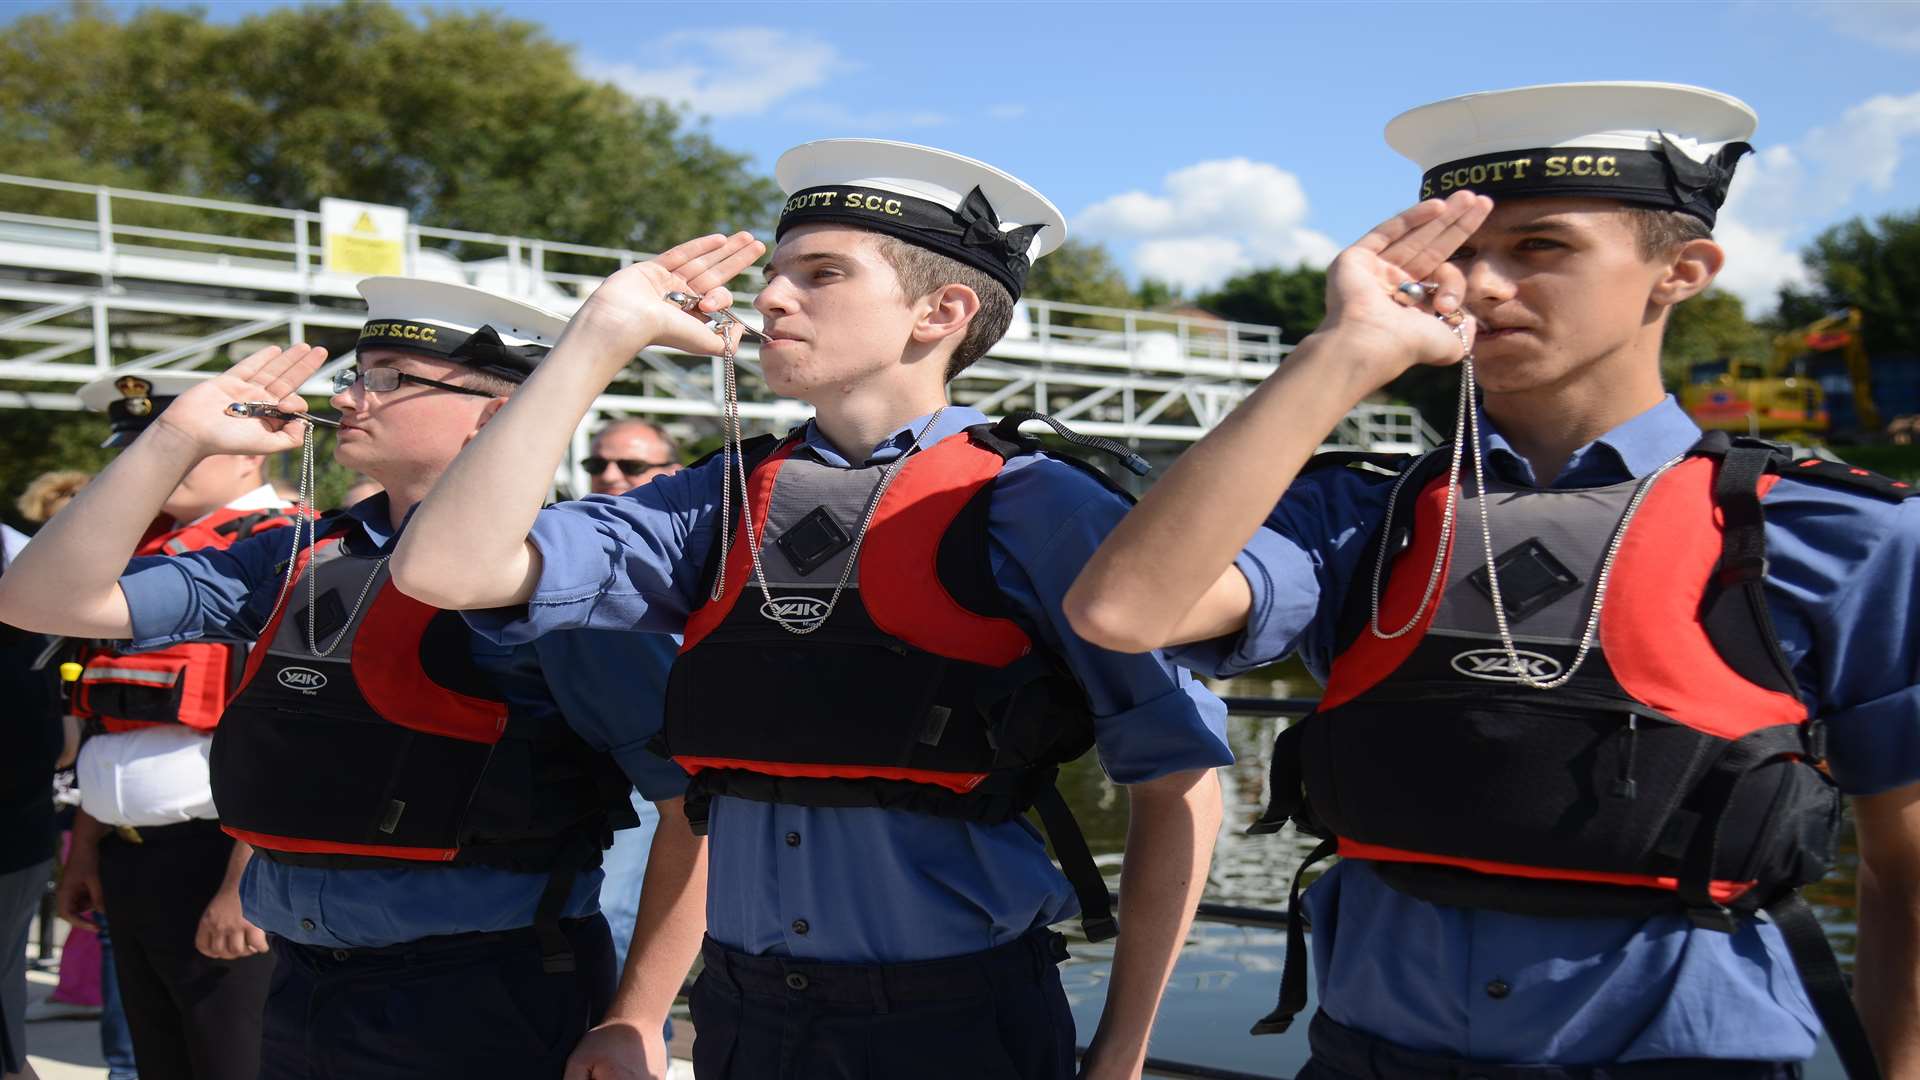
{"points": [[1778, 399]]}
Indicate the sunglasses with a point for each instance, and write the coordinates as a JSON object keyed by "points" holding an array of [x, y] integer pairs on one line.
{"points": [[382, 380], [628, 466]]}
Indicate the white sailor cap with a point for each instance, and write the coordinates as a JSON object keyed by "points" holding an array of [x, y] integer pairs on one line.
{"points": [[956, 206], [131, 399], [491, 333], [1653, 144]]}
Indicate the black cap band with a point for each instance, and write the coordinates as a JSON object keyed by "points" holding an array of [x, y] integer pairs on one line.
{"points": [[971, 234], [128, 417], [1664, 176], [482, 350]]}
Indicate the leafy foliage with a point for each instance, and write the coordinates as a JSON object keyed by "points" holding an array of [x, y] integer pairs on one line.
{"points": [[1873, 266]]}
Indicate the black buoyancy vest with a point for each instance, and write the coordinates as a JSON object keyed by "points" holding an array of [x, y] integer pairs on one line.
{"points": [[921, 691], [1677, 770], [397, 747]]}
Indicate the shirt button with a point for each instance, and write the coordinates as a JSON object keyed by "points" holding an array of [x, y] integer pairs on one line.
{"points": [[800, 926], [1498, 989], [306, 924], [796, 981], [793, 839]]}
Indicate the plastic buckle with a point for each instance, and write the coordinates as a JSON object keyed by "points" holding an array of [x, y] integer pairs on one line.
{"points": [[1105, 928], [1267, 826], [1713, 917], [1813, 737], [557, 963], [1742, 569]]}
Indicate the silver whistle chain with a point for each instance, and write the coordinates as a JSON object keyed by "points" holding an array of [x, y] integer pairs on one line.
{"points": [[733, 469], [306, 521], [1467, 417]]}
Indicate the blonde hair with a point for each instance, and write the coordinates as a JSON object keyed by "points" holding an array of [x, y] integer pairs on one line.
{"points": [[49, 492]]}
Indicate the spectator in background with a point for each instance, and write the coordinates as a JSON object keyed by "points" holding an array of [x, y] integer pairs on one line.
{"points": [[627, 453], [34, 744]]}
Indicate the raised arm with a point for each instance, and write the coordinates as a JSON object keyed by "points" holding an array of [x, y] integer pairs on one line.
{"points": [[67, 580], [466, 545], [1165, 576]]}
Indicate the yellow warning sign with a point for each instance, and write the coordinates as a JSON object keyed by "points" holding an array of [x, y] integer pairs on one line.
{"points": [[363, 238]]}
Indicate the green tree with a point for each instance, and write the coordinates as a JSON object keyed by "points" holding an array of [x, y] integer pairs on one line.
{"points": [[1873, 266], [1712, 326], [1294, 300], [470, 119], [1154, 293]]}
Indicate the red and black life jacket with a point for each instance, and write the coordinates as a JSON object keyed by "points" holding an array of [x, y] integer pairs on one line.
{"points": [[182, 684], [397, 748], [1677, 770], [922, 691]]}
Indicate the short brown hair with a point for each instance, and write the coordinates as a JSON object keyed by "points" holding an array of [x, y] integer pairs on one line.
{"points": [[922, 271], [497, 385], [49, 492], [1658, 231]]}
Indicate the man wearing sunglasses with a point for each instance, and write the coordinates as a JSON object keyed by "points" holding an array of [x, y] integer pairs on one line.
{"points": [[429, 809], [627, 453]]}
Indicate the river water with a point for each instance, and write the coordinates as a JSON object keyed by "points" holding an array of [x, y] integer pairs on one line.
{"points": [[1227, 976]]}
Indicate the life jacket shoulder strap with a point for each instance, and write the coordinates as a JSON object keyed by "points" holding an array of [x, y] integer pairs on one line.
{"points": [[242, 527], [1840, 474]]}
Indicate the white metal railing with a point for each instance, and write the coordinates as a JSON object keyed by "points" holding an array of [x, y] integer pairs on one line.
{"points": [[102, 265]]}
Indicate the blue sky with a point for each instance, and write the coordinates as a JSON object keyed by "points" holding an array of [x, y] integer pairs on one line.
{"points": [[1200, 139]]}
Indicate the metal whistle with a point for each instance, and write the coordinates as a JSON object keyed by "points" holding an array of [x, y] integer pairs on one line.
{"points": [[720, 320], [267, 410]]}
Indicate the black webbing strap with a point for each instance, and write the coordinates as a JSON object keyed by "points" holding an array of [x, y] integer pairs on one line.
{"points": [[1826, 985], [1736, 491], [556, 952], [1293, 976], [1285, 780], [1076, 861]]}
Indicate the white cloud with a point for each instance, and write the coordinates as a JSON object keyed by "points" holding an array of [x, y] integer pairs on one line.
{"points": [[1212, 220], [1006, 112], [1778, 192], [1893, 25], [735, 72]]}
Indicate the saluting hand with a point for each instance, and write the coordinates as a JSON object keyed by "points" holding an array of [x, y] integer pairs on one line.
{"points": [[630, 305], [272, 374], [1364, 306]]}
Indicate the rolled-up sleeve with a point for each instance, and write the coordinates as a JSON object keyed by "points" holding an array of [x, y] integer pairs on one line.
{"points": [[224, 595], [625, 562], [1846, 567], [1150, 717], [1298, 567]]}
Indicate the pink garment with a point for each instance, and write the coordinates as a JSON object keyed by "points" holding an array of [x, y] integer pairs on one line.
{"points": [[79, 958]]}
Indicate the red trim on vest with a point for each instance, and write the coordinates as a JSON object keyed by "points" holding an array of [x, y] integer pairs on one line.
{"points": [[324, 847], [202, 668], [1723, 891], [1650, 629], [283, 604], [1370, 659], [386, 666], [957, 782], [739, 567], [901, 586]]}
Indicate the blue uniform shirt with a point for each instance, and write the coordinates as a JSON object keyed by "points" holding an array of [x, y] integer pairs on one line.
{"points": [[229, 594], [1843, 581], [877, 886]]}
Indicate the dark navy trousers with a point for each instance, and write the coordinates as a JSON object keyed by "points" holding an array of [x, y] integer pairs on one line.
{"points": [[462, 1007], [994, 1015]]}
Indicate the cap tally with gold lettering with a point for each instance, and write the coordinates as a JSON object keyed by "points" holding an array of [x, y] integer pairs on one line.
{"points": [[1651, 144], [131, 399], [949, 204], [490, 333]]}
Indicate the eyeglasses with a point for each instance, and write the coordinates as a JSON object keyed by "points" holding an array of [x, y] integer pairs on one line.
{"points": [[382, 380], [628, 466]]}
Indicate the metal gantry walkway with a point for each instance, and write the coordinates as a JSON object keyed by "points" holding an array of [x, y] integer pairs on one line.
{"points": [[94, 279]]}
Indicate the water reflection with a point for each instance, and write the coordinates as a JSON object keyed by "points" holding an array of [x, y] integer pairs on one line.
{"points": [[1227, 976]]}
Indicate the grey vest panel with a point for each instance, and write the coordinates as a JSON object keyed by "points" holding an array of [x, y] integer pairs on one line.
{"points": [[801, 487], [1551, 543]]}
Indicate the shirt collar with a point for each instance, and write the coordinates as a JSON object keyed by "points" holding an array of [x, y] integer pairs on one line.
{"points": [[371, 514], [1629, 451], [954, 419], [260, 498]]}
